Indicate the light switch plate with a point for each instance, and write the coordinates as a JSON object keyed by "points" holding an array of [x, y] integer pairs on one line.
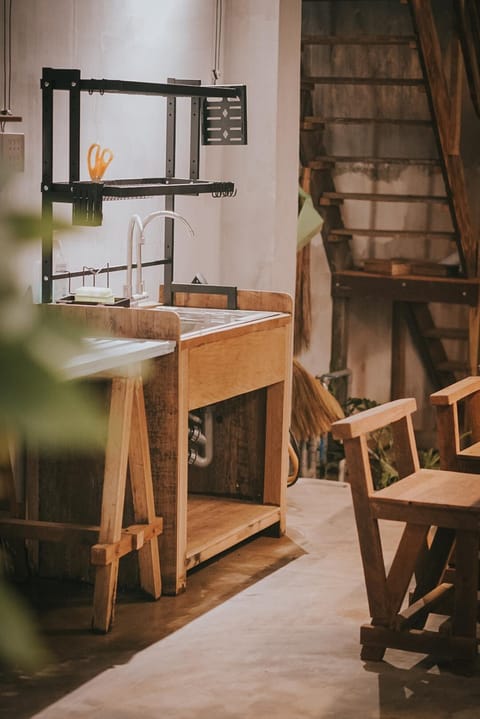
{"points": [[12, 151]]}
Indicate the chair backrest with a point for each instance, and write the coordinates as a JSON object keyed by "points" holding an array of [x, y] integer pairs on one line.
{"points": [[458, 409], [354, 431]]}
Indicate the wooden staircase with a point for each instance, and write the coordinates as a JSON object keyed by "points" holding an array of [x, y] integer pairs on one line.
{"points": [[351, 148]]}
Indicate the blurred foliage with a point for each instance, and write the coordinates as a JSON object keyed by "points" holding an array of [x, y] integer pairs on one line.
{"points": [[37, 407]]}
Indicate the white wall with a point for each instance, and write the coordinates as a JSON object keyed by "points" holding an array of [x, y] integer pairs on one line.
{"points": [[248, 241]]}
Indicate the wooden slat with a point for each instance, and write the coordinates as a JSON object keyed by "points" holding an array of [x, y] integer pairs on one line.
{"points": [[403, 564], [452, 366], [366, 121], [367, 421], [136, 537], [215, 524], [379, 232], [113, 498], [406, 618], [328, 197], [363, 39], [142, 494], [448, 333], [322, 160], [431, 350], [222, 369], [424, 642], [431, 58], [411, 288], [372, 81], [48, 531], [456, 392]]}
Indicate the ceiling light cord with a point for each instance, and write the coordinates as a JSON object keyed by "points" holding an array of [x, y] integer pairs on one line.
{"points": [[7, 59], [218, 40]]}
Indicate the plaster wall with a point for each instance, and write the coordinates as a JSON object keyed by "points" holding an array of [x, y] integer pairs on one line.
{"points": [[151, 41]]}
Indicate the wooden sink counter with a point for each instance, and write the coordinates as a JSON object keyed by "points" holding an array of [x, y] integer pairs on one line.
{"points": [[244, 373]]}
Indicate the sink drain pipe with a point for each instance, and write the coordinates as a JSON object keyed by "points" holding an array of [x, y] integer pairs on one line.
{"points": [[200, 438]]}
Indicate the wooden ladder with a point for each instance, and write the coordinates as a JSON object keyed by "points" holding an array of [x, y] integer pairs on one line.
{"points": [[431, 106]]}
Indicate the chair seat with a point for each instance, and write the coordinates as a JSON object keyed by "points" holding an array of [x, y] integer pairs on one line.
{"points": [[431, 497]]}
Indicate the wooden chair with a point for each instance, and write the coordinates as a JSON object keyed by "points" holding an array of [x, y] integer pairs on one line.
{"points": [[456, 406], [436, 507]]}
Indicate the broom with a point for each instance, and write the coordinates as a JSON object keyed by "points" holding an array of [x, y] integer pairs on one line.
{"points": [[314, 408]]}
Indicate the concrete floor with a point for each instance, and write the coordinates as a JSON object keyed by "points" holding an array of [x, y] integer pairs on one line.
{"points": [[270, 628]]}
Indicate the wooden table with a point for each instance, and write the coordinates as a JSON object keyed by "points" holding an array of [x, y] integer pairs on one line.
{"points": [[120, 361]]}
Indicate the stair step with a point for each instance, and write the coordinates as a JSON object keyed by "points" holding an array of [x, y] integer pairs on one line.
{"points": [[332, 198], [447, 333], [331, 80], [378, 232], [324, 161], [408, 40], [366, 121], [452, 366]]}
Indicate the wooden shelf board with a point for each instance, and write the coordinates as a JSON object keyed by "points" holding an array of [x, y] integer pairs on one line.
{"points": [[408, 40], [381, 197], [323, 160], [217, 523], [406, 288], [353, 80], [447, 333], [318, 120], [379, 232]]}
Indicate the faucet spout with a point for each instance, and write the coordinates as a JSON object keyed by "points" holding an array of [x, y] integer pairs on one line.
{"points": [[137, 223]]}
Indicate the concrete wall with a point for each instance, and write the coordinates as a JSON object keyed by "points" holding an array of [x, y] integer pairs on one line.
{"points": [[248, 240]]}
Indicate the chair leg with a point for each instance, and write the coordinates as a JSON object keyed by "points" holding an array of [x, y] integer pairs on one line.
{"points": [[142, 491], [113, 498], [464, 620]]}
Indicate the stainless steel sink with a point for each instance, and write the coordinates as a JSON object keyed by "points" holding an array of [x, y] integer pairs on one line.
{"points": [[198, 320]]}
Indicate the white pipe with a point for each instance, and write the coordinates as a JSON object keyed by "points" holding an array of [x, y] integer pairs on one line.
{"points": [[205, 439]]}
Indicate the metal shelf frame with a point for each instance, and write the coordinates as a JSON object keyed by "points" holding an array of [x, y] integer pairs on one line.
{"points": [[218, 117]]}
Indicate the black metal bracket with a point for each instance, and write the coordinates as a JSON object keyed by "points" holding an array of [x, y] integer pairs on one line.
{"points": [[201, 289], [225, 119], [218, 111]]}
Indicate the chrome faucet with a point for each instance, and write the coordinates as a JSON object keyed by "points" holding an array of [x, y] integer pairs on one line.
{"points": [[137, 222]]}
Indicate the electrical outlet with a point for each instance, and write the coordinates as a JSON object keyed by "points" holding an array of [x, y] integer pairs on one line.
{"points": [[12, 151]]}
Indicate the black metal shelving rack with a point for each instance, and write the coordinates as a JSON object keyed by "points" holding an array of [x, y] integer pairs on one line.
{"points": [[218, 117]]}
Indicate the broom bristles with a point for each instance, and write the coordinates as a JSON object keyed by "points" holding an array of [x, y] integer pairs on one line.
{"points": [[314, 408]]}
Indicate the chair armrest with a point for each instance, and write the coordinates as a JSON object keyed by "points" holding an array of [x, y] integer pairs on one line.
{"points": [[456, 392], [374, 418]]}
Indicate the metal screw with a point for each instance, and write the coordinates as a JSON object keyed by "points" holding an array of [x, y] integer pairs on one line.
{"points": [[47, 84], [73, 83], [45, 278], [45, 187]]}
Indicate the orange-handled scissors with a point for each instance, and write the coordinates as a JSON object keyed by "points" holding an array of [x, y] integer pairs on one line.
{"points": [[98, 160]]}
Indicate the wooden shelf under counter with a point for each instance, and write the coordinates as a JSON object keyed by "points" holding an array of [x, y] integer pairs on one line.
{"points": [[217, 523]]}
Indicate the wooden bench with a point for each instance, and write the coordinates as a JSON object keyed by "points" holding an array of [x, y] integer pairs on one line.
{"points": [[437, 507], [127, 445]]}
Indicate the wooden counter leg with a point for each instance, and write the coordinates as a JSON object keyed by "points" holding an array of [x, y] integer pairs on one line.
{"points": [[116, 458], [276, 451], [142, 492]]}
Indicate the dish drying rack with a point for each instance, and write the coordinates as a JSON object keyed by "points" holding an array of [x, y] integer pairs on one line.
{"points": [[218, 116]]}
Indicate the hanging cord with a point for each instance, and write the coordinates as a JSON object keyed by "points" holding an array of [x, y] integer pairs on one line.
{"points": [[218, 40], [7, 60]]}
